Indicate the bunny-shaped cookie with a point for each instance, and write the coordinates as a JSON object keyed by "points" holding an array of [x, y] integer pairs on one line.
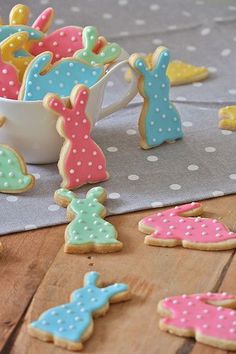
{"points": [[87, 230], [64, 42], [81, 159], [9, 82], [210, 318], [60, 78], [107, 54], [159, 120], [227, 117], [8, 49], [70, 324]]}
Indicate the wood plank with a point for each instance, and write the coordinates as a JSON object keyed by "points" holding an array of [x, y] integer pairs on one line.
{"points": [[152, 274], [23, 263]]}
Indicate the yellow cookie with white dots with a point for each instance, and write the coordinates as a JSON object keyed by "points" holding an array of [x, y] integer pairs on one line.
{"points": [[19, 15], [10, 45], [227, 117]]}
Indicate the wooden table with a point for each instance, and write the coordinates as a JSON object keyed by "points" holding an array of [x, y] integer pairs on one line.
{"points": [[36, 274]]}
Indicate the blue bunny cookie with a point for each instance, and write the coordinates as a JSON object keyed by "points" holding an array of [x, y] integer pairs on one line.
{"points": [[41, 77], [159, 120], [70, 324]]}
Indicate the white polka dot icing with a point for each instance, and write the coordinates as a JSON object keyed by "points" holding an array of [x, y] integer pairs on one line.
{"points": [[171, 228], [69, 322], [59, 79], [88, 227], [210, 318], [159, 120]]}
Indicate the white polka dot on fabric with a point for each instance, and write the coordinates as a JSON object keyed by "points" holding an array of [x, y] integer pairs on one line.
{"points": [[217, 193], [191, 48], [124, 33], [175, 187], [232, 91], [157, 41], [131, 131], [232, 176], [133, 177], [156, 204], [110, 83], [172, 27], [53, 207], [181, 98], [210, 149], [197, 84], [226, 132], [30, 227], [44, 2], [59, 21], [113, 195], [140, 22], [154, 7], [186, 13], [205, 31], [212, 69], [187, 124], [225, 52], [36, 175], [193, 167], [123, 2], [112, 149], [152, 158], [11, 198], [75, 9], [232, 8], [107, 16]]}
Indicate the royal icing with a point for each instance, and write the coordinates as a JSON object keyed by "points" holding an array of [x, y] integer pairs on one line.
{"points": [[181, 73], [13, 171], [159, 120], [227, 117], [108, 53], [171, 228], [60, 78], [8, 49], [9, 82], [19, 15], [81, 159], [207, 317], [63, 43], [70, 322], [87, 227], [44, 20]]}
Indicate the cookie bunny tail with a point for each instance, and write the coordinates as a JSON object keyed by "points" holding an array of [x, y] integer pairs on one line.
{"points": [[98, 193], [63, 197], [44, 20]]}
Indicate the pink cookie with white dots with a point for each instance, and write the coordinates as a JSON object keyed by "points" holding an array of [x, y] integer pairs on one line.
{"points": [[63, 43], [9, 82], [210, 318], [182, 225], [81, 159]]}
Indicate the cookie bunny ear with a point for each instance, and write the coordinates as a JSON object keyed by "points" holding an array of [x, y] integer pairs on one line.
{"points": [[98, 193], [64, 197], [40, 63], [90, 37], [12, 43], [19, 15], [160, 59], [54, 103], [91, 278], [138, 63], [44, 20], [79, 97]]}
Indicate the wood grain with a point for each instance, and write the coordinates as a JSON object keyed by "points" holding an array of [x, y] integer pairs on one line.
{"points": [[152, 274]]}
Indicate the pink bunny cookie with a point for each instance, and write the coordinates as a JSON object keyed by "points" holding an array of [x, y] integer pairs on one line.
{"points": [[209, 318], [63, 43], [9, 82], [81, 160], [182, 226]]}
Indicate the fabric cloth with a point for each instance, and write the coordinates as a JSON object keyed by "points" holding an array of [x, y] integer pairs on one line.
{"points": [[199, 166]]}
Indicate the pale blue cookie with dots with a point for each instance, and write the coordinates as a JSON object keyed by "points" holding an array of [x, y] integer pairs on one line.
{"points": [[70, 324], [60, 78], [7, 30], [159, 120]]}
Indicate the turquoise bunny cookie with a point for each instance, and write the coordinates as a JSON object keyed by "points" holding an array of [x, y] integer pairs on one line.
{"points": [[60, 78], [159, 120], [70, 324], [87, 230]]}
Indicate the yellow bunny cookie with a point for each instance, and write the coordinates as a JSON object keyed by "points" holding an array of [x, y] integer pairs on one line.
{"points": [[8, 48], [227, 117], [19, 15]]}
